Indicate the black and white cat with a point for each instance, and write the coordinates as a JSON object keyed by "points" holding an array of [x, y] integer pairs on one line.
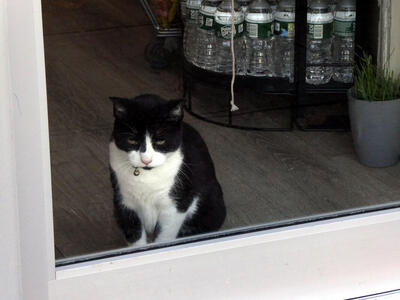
{"points": [[162, 174]]}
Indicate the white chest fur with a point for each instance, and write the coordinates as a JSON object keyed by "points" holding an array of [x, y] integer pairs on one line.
{"points": [[148, 193]]}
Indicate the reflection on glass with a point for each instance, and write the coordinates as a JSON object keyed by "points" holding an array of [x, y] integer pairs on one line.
{"points": [[168, 174]]}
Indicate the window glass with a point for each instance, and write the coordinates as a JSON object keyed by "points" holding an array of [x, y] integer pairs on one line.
{"points": [[146, 150]]}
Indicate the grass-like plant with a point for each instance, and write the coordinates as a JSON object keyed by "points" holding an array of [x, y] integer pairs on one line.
{"points": [[374, 84]]}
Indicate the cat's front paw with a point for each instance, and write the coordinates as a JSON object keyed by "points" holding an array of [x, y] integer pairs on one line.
{"points": [[137, 244], [134, 242]]}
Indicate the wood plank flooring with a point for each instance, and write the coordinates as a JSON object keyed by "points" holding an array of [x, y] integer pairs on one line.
{"points": [[94, 49]]}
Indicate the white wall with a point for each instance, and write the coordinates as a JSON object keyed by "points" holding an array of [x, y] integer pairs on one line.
{"points": [[28, 124], [10, 272], [395, 36]]}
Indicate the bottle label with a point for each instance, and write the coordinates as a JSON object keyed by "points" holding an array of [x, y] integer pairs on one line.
{"points": [[344, 29], [259, 30], [206, 17], [322, 18], [206, 22], [320, 31], [320, 26], [192, 14], [224, 31], [284, 23], [285, 29], [344, 24], [345, 16]]}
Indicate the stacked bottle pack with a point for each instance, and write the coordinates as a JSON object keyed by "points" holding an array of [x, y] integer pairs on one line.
{"points": [[264, 32], [330, 39]]}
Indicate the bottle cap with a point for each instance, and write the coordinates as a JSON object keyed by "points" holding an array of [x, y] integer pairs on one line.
{"points": [[319, 4], [347, 4], [287, 3], [259, 5], [227, 5], [244, 2]]}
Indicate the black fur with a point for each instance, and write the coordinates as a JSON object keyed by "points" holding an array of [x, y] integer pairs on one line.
{"points": [[147, 112], [163, 119]]}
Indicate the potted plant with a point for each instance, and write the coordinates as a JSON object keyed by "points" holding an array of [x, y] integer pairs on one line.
{"points": [[374, 108]]}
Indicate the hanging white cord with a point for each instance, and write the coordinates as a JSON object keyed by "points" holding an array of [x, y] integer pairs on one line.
{"points": [[233, 106]]}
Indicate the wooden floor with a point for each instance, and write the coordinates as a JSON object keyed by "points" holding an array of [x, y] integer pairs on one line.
{"points": [[94, 49]]}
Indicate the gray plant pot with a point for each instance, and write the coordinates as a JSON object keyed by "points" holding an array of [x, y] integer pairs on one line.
{"points": [[375, 127]]}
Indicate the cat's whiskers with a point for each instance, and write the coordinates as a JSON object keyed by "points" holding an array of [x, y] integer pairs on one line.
{"points": [[182, 171]]}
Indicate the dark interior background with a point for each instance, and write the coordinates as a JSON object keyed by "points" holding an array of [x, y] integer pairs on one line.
{"points": [[367, 29], [95, 49]]}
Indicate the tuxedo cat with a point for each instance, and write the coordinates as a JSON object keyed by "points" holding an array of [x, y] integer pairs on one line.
{"points": [[162, 174]]}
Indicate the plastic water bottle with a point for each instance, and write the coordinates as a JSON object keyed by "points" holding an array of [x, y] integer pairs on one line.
{"points": [[273, 5], [284, 39], [183, 10], [223, 31], [244, 4], [259, 31], [207, 40], [332, 5], [319, 42], [343, 43], [191, 28]]}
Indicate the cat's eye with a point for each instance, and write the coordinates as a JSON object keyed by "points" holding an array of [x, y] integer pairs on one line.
{"points": [[132, 141], [160, 142]]}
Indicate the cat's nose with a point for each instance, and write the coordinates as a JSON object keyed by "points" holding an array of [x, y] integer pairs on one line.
{"points": [[145, 160]]}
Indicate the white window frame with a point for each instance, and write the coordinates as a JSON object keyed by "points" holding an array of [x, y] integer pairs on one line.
{"points": [[335, 259]]}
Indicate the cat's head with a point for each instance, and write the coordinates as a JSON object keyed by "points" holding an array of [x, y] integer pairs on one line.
{"points": [[148, 128]]}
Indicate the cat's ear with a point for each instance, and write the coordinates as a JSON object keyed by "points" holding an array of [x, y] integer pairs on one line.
{"points": [[175, 112], [120, 107]]}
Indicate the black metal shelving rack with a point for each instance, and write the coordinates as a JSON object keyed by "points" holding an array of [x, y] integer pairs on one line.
{"points": [[304, 90], [299, 90], [263, 86]]}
